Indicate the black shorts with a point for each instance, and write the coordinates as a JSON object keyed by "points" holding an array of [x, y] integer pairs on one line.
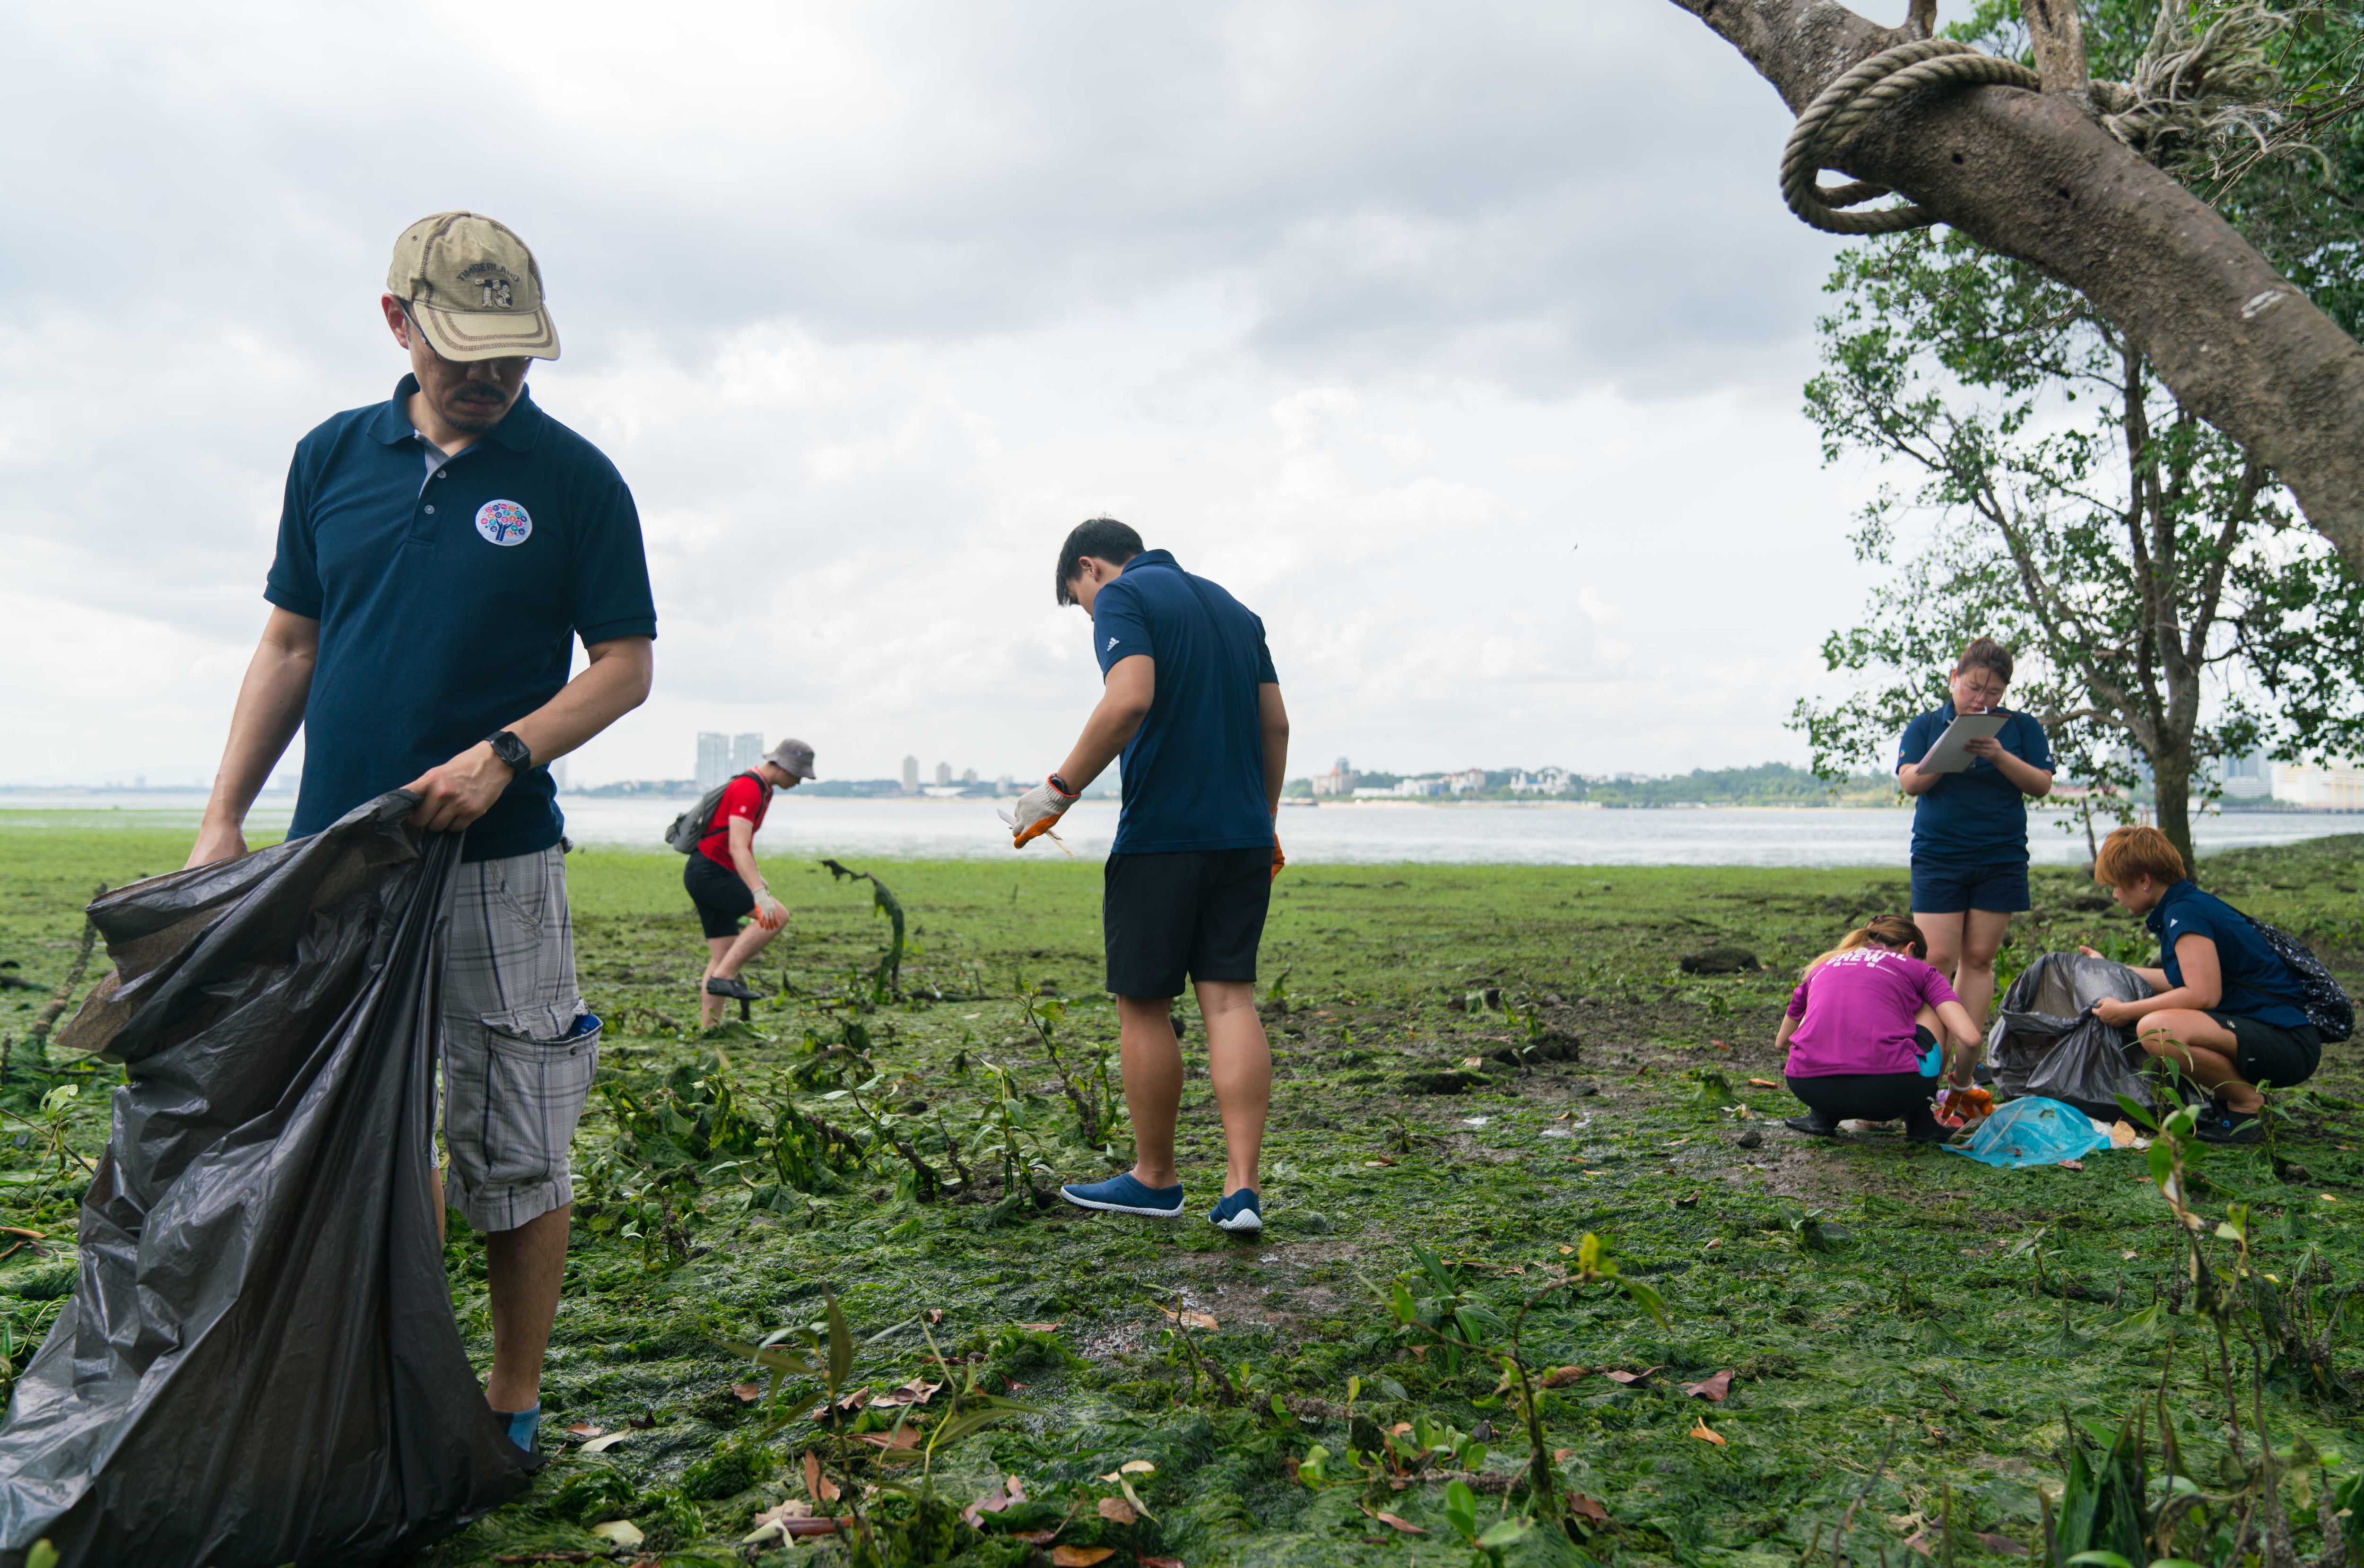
{"points": [[722, 900], [2000, 888], [1869, 1097], [1195, 911], [2273, 1053]]}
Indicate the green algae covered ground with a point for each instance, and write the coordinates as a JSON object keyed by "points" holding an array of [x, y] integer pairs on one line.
{"points": [[1912, 1337]]}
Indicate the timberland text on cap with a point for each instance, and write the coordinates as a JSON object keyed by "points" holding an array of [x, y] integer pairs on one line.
{"points": [[473, 287]]}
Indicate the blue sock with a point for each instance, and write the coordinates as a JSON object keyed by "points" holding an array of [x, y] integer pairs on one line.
{"points": [[522, 1426]]}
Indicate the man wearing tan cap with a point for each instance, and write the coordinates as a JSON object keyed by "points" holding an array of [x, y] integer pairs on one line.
{"points": [[723, 884], [438, 553]]}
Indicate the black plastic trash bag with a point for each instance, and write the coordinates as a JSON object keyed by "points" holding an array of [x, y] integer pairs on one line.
{"points": [[2045, 1041], [260, 1363]]}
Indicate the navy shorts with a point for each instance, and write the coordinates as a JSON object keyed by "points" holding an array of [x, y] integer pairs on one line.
{"points": [[1999, 887]]}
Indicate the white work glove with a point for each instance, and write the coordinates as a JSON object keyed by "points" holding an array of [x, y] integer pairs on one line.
{"points": [[769, 913], [1039, 810]]}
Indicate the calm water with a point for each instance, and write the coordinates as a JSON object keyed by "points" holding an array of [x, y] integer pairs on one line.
{"points": [[1540, 835]]}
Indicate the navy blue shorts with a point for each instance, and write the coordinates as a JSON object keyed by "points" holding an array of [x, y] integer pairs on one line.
{"points": [[2000, 888]]}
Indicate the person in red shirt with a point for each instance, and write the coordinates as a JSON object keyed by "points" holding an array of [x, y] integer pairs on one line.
{"points": [[725, 886]]}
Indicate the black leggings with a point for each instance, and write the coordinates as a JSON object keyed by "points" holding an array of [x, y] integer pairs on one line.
{"points": [[1871, 1097]]}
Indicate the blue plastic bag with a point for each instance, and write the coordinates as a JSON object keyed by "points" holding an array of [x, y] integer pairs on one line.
{"points": [[2034, 1131]]}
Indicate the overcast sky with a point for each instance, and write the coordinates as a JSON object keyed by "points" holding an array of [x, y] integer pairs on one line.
{"points": [[1462, 341]]}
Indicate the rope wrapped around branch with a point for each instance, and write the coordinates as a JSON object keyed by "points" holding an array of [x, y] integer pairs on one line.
{"points": [[1843, 106]]}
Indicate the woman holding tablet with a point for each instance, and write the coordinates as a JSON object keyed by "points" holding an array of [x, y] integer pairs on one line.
{"points": [[1970, 826]]}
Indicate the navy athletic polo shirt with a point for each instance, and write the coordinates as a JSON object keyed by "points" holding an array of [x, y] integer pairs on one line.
{"points": [[2257, 983], [448, 598], [1976, 817], [1194, 771]]}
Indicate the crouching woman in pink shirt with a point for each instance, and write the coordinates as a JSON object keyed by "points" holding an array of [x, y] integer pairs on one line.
{"points": [[1865, 1019]]}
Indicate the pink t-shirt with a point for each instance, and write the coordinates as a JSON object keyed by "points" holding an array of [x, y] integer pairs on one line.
{"points": [[1856, 1013]]}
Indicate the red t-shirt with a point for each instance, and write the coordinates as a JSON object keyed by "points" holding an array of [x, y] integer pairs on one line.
{"points": [[745, 796]]}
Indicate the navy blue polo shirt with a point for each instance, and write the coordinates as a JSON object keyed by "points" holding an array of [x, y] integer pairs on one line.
{"points": [[2257, 984], [1976, 817], [1194, 771], [448, 600]]}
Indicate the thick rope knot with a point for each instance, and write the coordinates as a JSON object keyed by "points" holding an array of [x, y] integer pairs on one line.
{"points": [[1840, 108]]}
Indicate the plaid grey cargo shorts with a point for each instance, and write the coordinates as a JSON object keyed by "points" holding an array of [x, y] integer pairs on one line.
{"points": [[519, 1050]]}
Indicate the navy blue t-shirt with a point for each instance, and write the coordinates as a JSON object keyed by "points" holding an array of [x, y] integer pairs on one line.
{"points": [[1194, 771], [448, 600], [2257, 983], [1976, 817]]}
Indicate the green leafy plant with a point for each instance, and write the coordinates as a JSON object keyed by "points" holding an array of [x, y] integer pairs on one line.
{"points": [[886, 979]]}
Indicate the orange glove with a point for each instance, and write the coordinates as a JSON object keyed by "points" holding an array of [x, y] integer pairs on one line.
{"points": [[1038, 811], [1958, 1106], [1278, 859]]}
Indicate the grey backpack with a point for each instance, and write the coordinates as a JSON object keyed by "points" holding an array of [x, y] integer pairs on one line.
{"points": [[688, 830]]}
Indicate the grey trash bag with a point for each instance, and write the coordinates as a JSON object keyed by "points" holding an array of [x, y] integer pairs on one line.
{"points": [[259, 1365], [2045, 1041]]}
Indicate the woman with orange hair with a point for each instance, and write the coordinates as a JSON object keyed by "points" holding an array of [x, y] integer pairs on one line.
{"points": [[2225, 1009]]}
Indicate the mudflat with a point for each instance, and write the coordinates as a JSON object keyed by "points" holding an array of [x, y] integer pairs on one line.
{"points": [[1477, 1067]]}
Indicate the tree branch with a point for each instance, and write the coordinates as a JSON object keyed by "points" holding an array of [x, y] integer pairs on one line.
{"points": [[2033, 176], [2059, 33]]}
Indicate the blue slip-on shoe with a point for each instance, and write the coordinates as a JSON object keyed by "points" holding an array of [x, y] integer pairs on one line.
{"points": [[522, 1426], [1123, 1195], [1238, 1214]]}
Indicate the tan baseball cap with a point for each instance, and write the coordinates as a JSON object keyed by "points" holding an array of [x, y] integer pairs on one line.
{"points": [[473, 287]]}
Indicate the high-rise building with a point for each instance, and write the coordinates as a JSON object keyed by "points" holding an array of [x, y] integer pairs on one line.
{"points": [[713, 759], [943, 775], [911, 775], [968, 776], [746, 752]]}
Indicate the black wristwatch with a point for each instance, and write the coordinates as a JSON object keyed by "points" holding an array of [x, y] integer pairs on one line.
{"points": [[510, 749]]}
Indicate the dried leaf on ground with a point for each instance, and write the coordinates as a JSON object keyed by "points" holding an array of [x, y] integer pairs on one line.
{"points": [[1920, 1543], [916, 1392], [1580, 1503], [1702, 1432], [1631, 1376], [1137, 1467], [583, 1429], [1117, 1511], [601, 1445], [822, 1489], [748, 1392], [1080, 1556], [2072, 1165], [644, 1420], [1188, 1319], [1561, 1376], [623, 1532], [901, 1438], [1765, 1082], [1714, 1388], [771, 1524], [1039, 1328], [1160, 1563], [1394, 1523], [2002, 1545], [936, 1316]]}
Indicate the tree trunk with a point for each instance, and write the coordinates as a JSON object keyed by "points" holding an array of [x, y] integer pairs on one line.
{"points": [[2034, 176], [2171, 786]]}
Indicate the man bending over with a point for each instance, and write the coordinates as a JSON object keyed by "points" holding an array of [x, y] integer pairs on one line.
{"points": [[1191, 702]]}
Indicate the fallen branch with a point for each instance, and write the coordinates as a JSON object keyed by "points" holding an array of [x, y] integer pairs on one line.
{"points": [[49, 1014]]}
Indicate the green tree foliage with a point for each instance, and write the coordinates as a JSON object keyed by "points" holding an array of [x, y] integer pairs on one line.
{"points": [[2147, 573]]}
